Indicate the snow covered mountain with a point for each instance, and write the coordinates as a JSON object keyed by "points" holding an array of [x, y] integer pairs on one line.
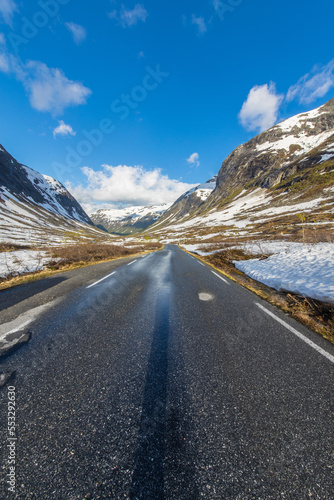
{"points": [[128, 220], [280, 182], [274, 155], [34, 207], [202, 191], [189, 201]]}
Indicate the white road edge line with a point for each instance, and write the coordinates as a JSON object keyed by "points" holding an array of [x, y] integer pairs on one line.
{"points": [[22, 321], [97, 282], [218, 276], [298, 334], [200, 262], [130, 264]]}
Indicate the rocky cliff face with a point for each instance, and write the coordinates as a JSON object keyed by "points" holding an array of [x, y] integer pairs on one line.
{"points": [[273, 156], [190, 201], [30, 186], [36, 209]]}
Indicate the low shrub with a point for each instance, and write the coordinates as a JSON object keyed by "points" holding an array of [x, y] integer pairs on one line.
{"points": [[94, 252]]}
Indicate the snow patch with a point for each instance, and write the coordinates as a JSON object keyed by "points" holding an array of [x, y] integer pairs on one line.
{"points": [[305, 141], [22, 261], [135, 213], [298, 120], [306, 270]]}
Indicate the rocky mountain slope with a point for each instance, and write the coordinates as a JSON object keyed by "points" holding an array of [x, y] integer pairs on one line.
{"points": [[273, 156], [277, 183], [130, 220], [189, 201], [35, 208]]}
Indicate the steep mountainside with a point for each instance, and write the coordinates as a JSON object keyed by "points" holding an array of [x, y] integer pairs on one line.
{"points": [[25, 183], [35, 208], [274, 155], [280, 182], [129, 220], [189, 201]]}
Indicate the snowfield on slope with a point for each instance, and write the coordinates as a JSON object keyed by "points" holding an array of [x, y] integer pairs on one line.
{"points": [[23, 222], [304, 269], [135, 212]]}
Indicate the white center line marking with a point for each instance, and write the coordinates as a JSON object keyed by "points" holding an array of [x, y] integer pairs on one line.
{"points": [[132, 262], [97, 282], [298, 334], [220, 277]]}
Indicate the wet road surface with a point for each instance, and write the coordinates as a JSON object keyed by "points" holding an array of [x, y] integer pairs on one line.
{"points": [[165, 380]]}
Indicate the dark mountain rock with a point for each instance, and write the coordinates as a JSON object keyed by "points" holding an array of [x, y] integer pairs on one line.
{"points": [[29, 186], [190, 201], [272, 156]]}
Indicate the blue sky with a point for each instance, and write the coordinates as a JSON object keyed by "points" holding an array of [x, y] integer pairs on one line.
{"points": [[135, 102]]}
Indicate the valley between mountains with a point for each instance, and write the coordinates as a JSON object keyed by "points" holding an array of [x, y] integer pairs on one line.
{"points": [[166, 250], [269, 215], [266, 219], [142, 368]]}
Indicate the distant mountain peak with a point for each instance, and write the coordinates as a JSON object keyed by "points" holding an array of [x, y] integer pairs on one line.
{"points": [[190, 201], [129, 220]]}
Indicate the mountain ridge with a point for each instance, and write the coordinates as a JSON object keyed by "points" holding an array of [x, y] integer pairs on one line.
{"points": [[266, 181], [266, 158], [23, 181], [189, 201], [35, 208]]}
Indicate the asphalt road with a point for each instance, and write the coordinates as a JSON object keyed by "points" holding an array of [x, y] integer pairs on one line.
{"points": [[167, 381]]}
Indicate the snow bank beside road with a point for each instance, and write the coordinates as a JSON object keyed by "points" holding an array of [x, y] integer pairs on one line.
{"points": [[196, 249], [307, 270], [22, 261]]}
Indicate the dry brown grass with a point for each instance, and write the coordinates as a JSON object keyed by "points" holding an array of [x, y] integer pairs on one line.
{"points": [[319, 312], [10, 247], [319, 235], [69, 257], [88, 253]]}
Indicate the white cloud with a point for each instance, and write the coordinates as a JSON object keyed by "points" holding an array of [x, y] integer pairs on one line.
{"points": [[200, 23], [79, 33], [7, 11], [313, 85], [129, 17], [2, 39], [63, 130], [126, 184], [260, 110], [193, 160], [48, 88], [92, 208]]}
